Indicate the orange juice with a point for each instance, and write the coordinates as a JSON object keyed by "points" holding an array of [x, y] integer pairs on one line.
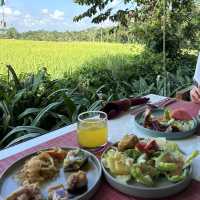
{"points": [[92, 133]]}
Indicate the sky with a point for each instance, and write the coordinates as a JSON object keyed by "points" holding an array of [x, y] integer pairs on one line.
{"points": [[49, 15]]}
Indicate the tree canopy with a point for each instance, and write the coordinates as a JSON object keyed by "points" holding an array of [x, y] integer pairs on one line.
{"points": [[101, 10], [148, 19]]}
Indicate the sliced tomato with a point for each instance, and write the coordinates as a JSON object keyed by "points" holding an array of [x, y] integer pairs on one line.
{"points": [[151, 145], [141, 146], [147, 147]]}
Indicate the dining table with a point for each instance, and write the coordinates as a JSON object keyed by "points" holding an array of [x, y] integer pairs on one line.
{"points": [[117, 128]]}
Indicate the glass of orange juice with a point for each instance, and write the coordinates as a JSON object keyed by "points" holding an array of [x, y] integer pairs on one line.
{"points": [[92, 130]]}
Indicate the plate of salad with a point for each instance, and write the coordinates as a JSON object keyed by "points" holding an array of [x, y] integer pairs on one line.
{"points": [[147, 168], [161, 122]]}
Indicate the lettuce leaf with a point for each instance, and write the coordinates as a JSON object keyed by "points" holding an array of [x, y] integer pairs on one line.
{"points": [[190, 158], [132, 153], [177, 178], [140, 177]]}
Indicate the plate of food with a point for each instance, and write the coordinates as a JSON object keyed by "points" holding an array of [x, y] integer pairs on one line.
{"points": [[147, 168], [161, 122], [53, 174]]}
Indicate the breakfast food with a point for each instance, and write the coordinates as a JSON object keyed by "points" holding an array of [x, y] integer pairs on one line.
{"points": [[74, 160], [169, 121], [77, 182], [44, 166], [148, 161], [57, 192], [180, 114], [38, 169], [57, 153], [28, 192], [129, 141]]}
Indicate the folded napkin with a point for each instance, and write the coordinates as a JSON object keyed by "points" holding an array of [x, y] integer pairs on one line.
{"points": [[115, 108]]}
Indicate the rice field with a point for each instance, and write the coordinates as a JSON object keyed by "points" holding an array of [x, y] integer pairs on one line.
{"points": [[57, 57]]}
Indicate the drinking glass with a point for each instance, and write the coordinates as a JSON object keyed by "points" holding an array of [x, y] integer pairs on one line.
{"points": [[92, 130]]}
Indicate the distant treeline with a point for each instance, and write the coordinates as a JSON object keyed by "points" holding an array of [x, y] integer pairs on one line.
{"points": [[112, 34]]}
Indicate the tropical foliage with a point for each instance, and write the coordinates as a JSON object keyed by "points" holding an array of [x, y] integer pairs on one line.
{"points": [[33, 104]]}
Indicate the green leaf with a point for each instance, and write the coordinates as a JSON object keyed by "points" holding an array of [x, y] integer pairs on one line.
{"points": [[14, 75], [20, 129], [190, 158], [6, 116], [17, 97], [4, 107], [23, 138], [70, 106], [43, 112], [57, 92], [29, 111], [96, 105]]}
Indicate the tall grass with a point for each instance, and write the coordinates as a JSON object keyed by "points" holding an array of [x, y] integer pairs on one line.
{"points": [[57, 57]]}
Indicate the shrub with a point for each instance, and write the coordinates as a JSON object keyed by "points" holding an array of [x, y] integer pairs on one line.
{"points": [[136, 75]]}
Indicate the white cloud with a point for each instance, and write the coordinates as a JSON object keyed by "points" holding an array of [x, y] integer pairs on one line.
{"points": [[17, 13], [45, 11], [58, 15], [10, 12], [32, 22], [7, 11], [115, 3], [27, 16], [107, 23]]}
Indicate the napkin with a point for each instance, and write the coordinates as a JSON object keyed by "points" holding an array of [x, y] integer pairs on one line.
{"points": [[197, 71], [115, 108]]}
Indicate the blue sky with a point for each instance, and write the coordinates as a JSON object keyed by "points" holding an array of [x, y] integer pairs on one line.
{"points": [[47, 14]]}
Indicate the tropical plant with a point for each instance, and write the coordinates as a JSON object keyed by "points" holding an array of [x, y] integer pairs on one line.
{"points": [[32, 104]]}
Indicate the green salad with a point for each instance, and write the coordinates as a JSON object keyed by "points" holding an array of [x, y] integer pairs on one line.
{"points": [[145, 161]]}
